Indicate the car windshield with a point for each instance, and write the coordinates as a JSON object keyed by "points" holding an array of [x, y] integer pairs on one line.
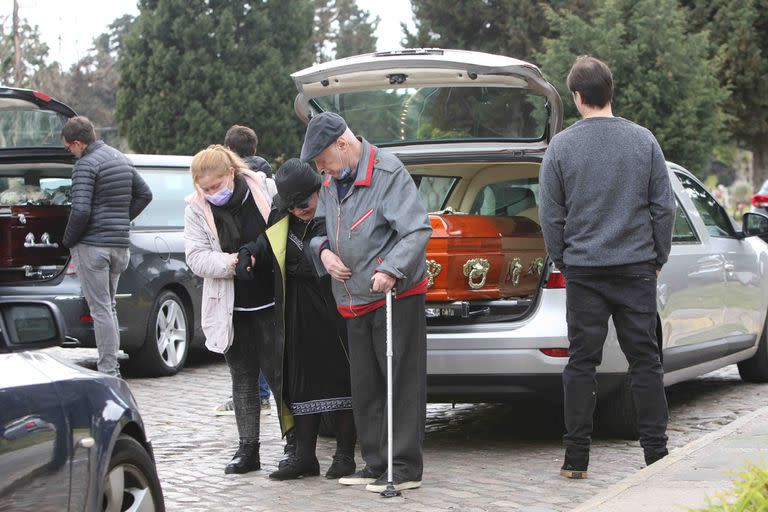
{"points": [[23, 125], [445, 114]]}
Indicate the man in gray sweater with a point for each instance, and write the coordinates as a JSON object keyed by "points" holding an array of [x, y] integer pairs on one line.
{"points": [[607, 213], [107, 194]]}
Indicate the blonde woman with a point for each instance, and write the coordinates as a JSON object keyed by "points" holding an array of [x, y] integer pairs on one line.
{"points": [[228, 209]]}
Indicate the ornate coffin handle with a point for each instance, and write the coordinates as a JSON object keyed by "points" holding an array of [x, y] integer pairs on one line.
{"points": [[476, 270], [515, 269], [537, 266], [433, 270]]}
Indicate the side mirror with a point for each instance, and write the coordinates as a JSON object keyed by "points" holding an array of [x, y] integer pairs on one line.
{"points": [[29, 324], [755, 224]]}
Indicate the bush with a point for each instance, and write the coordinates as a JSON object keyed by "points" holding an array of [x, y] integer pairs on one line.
{"points": [[749, 493]]}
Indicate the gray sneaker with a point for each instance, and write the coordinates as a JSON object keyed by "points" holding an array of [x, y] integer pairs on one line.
{"points": [[225, 409], [266, 407]]}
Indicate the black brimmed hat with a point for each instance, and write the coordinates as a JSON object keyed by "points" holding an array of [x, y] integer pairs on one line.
{"points": [[322, 130], [295, 181]]}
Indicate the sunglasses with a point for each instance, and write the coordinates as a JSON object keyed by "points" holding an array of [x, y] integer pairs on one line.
{"points": [[300, 206]]}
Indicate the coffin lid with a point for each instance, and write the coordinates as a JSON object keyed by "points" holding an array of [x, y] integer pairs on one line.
{"points": [[427, 96]]}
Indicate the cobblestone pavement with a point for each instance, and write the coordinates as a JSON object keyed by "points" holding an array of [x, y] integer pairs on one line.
{"points": [[482, 457]]}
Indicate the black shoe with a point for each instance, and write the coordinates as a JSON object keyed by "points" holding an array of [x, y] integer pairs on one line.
{"points": [[343, 465], [246, 459], [293, 468], [655, 456], [362, 477], [575, 466], [290, 443]]}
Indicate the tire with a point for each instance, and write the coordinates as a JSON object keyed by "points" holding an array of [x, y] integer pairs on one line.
{"points": [[755, 369], [616, 414], [166, 345], [131, 482]]}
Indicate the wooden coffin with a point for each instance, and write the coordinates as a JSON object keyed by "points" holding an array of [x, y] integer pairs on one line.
{"points": [[31, 235], [473, 257]]}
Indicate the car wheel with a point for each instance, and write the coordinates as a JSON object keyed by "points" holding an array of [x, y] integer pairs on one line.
{"points": [[131, 483], [616, 415], [166, 345], [755, 369]]}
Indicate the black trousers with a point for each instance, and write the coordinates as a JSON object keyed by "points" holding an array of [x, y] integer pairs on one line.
{"points": [[252, 330], [628, 294], [368, 372]]}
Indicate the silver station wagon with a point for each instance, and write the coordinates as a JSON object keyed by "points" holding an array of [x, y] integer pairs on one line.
{"points": [[472, 129]]}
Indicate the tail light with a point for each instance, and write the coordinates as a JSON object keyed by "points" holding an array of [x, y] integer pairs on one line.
{"points": [[88, 319], [555, 352], [71, 269], [760, 201], [41, 96], [555, 280]]}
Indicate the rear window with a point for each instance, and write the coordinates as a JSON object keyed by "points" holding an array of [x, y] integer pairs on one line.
{"points": [[24, 125], [447, 114], [169, 188]]}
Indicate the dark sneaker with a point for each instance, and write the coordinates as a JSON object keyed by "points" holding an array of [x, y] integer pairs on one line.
{"points": [[246, 459], [399, 484], [343, 465], [651, 457], [293, 468], [363, 477], [575, 467]]}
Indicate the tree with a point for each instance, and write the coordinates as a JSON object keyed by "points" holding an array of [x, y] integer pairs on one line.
{"points": [[739, 29], [22, 53], [663, 76], [191, 69], [342, 25]]}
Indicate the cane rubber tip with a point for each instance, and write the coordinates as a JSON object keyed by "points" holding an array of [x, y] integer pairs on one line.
{"points": [[389, 492]]}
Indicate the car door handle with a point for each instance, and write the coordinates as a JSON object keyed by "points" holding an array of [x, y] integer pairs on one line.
{"points": [[86, 442]]}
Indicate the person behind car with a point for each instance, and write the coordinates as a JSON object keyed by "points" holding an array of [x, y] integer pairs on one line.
{"points": [[314, 349], [377, 237], [230, 207], [107, 194], [607, 214], [243, 141]]}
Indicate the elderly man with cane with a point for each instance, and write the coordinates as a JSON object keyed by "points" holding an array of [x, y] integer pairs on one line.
{"points": [[376, 243]]}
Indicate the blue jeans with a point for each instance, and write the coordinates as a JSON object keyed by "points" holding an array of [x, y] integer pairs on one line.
{"points": [[263, 387]]}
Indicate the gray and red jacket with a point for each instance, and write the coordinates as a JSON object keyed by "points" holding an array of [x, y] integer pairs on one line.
{"points": [[379, 225]]}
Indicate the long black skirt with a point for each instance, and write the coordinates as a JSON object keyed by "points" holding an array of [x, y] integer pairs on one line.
{"points": [[316, 358]]}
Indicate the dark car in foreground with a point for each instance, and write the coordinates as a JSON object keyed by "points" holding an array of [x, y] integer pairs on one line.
{"points": [[70, 438], [158, 297]]}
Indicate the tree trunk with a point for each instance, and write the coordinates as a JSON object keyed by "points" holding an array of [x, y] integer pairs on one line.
{"points": [[760, 152], [18, 71]]}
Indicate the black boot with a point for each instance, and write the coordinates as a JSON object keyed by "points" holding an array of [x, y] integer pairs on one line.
{"points": [[652, 456], [343, 465], [293, 468], [246, 459]]}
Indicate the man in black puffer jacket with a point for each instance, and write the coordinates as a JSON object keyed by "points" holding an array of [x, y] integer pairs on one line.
{"points": [[107, 193]]}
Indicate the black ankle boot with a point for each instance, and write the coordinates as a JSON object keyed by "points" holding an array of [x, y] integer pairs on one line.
{"points": [[246, 459], [343, 465], [655, 456], [293, 468]]}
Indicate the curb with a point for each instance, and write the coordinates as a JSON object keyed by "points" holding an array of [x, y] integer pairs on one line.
{"points": [[675, 456]]}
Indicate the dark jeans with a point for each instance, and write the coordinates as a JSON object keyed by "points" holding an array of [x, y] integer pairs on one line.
{"points": [[243, 361], [628, 294], [368, 372]]}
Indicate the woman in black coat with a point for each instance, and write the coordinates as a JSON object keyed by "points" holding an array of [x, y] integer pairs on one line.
{"points": [[315, 361]]}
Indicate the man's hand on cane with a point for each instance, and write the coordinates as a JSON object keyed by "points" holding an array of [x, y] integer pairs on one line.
{"points": [[334, 266], [382, 282]]}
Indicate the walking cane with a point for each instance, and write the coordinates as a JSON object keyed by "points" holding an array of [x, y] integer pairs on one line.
{"points": [[390, 491]]}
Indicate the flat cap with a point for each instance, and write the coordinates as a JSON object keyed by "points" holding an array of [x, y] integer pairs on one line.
{"points": [[322, 130], [295, 181]]}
